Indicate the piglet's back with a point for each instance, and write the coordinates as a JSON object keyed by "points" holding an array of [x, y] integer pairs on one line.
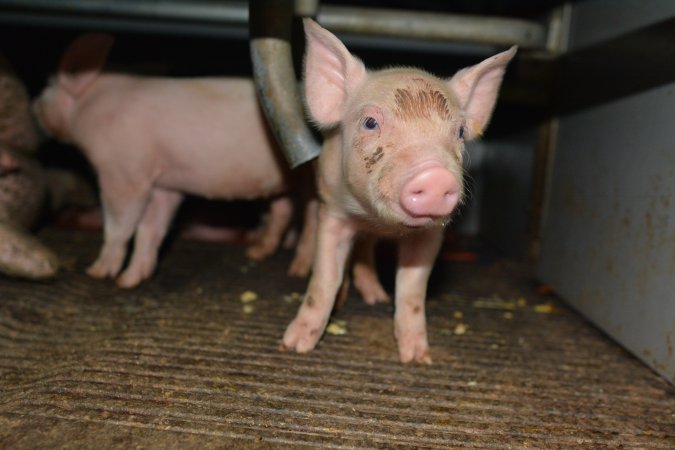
{"points": [[206, 136], [222, 147]]}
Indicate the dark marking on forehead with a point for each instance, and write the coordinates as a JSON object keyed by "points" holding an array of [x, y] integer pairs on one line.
{"points": [[373, 159], [423, 82], [421, 103]]}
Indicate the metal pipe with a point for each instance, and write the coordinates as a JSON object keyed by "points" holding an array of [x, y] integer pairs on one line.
{"points": [[224, 19], [202, 11], [270, 28], [433, 26], [351, 20]]}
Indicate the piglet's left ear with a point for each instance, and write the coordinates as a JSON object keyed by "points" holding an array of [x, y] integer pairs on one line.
{"points": [[83, 61], [477, 88]]}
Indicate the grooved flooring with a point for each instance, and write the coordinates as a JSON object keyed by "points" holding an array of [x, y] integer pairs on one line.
{"points": [[182, 362]]}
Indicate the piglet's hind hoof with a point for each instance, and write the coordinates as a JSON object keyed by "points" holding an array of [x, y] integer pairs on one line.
{"points": [[128, 281], [300, 267], [259, 251], [96, 271]]}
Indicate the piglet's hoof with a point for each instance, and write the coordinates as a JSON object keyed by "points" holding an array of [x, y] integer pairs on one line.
{"points": [[259, 251], [300, 266], [129, 279], [301, 336], [103, 268], [369, 287], [413, 347]]}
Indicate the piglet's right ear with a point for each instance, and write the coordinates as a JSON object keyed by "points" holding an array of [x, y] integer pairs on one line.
{"points": [[331, 74], [83, 61]]}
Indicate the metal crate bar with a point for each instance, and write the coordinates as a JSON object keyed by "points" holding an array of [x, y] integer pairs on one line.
{"points": [[351, 20]]}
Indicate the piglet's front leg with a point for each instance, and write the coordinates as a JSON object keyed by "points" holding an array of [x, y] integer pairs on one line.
{"points": [[334, 242], [417, 253]]}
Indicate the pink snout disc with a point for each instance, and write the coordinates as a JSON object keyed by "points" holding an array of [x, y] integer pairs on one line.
{"points": [[433, 192]]}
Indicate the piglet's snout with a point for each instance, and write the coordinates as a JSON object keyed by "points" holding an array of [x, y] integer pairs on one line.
{"points": [[433, 192]]}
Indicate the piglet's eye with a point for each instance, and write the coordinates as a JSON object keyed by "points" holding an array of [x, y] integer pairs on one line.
{"points": [[460, 133], [369, 123]]}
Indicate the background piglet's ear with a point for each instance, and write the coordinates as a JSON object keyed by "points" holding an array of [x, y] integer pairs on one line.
{"points": [[331, 73], [477, 88], [83, 61]]}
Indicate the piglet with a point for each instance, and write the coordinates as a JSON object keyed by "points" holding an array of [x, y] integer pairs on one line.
{"points": [[153, 139], [17, 128], [391, 166], [24, 191], [24, 184]]}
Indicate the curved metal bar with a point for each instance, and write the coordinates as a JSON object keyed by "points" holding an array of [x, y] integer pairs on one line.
{"points": [[433, 26], [270, 23]]}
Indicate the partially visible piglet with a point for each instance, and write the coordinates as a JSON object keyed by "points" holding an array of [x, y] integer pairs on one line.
{"points": [[17, 128], [153, 139], [391, 165], [23, 195], [23, 184]]}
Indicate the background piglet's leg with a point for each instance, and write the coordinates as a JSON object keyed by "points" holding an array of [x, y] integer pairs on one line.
{"points": [[276, 224], [123, 207], [334, 242], [304, 251], [150, 233], [417, 253], [364, 271]]}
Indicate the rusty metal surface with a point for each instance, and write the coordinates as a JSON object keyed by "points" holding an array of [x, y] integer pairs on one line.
{"points": [[607, 238], [607, 233], [183, 362]]}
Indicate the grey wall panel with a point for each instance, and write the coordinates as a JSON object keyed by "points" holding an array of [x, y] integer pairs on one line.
{"points": [[594, 21], [609, 231]]}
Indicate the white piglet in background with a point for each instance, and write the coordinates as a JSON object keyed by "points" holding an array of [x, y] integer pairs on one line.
{"points": [[391, 166], [152, 139]]}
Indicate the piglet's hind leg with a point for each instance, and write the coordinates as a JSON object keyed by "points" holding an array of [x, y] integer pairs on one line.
{"points": [[281, 211], [304, 251], [122, 210], [364, 271], [149, 236]]}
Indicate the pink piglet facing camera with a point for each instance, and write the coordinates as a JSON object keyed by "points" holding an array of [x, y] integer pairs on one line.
{"points": [[391, 166], [152, 139]]}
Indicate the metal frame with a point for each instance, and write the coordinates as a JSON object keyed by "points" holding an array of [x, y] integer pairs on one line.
{"points": [[270, 25]]}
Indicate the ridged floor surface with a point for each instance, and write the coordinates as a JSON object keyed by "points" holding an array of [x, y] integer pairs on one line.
{"points": [[183, 362]]}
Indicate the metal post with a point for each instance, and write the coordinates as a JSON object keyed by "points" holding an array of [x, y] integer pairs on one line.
{"points": [[270, 24]]}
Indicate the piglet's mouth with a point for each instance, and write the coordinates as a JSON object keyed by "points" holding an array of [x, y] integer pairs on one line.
{"points": [[425, 222], [418, 222], [397, 216]]}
